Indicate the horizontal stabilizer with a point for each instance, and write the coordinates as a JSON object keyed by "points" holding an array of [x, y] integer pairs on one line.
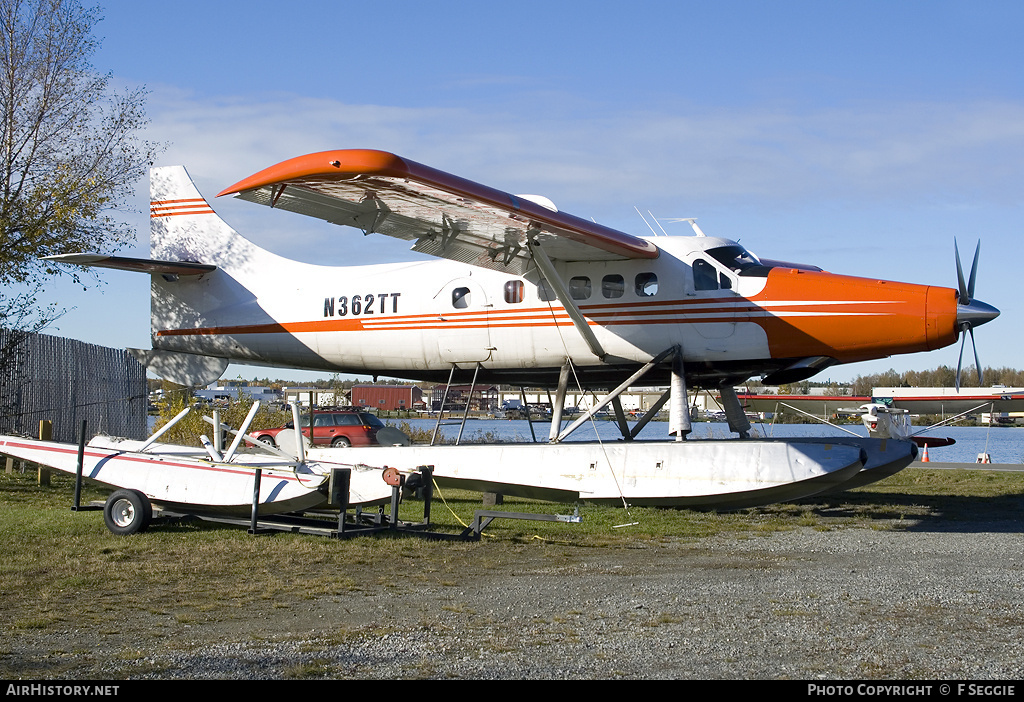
{"points": [[141, 265], [181, 368]]}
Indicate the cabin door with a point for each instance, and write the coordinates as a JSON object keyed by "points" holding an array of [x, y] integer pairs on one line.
{"points": [[463, 335]]}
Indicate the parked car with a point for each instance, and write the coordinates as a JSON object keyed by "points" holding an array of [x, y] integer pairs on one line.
{"points": [[344, 427]]}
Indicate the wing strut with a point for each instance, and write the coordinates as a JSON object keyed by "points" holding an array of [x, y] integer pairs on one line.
{"points": [[562, 293]]}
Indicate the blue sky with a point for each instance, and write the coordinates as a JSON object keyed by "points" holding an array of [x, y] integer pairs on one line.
{"points": [[862, 137]]}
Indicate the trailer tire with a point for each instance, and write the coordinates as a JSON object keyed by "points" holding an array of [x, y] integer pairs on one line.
{"points": [[127, 512]]}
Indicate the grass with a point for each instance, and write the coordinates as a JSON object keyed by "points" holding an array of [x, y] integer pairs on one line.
{"points": [[64, 569]]}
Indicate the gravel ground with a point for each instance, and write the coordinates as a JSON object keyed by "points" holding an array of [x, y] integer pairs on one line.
{"points": [[802, 604]]}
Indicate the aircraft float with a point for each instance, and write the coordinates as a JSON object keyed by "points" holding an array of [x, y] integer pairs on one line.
{"points": [[523, 293]]}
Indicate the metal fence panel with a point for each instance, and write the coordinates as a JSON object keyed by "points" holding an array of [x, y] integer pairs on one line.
{"points": [[66, 381]]}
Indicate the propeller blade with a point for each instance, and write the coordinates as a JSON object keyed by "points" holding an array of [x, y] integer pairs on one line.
{"points": [[974, 272], [960, 360], [962, 286], [977, 363]]}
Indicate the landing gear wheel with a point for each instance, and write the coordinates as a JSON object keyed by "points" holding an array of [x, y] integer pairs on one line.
{"points": [[127, 512], [341, 442]]}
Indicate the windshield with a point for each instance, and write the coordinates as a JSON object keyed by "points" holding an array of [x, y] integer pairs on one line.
{"points": [[738, 259]]}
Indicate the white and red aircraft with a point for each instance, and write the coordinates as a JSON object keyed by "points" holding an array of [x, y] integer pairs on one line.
{"points": [[523, 294]]}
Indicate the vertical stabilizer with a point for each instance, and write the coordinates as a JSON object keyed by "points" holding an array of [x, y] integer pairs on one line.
{"points": [[183, 226], [221, 314]]}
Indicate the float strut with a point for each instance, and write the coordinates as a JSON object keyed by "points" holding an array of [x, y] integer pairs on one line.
{"points": [[734, 413], [558, 404], [77, 506], [257, 479], [679, 404]]}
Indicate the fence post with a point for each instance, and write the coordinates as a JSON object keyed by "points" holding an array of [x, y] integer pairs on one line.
{"points": [[45, 434]]}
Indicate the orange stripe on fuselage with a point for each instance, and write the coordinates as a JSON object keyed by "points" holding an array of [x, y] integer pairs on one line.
{"points": [[803, 313]]}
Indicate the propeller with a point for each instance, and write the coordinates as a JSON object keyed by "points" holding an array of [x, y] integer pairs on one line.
{"points": [[970, 313]]}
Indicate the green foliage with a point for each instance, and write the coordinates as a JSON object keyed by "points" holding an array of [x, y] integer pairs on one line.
{"points": [[188, 430], [941, 377]]}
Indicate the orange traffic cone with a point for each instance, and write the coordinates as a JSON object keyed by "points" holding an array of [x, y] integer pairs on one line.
{"points": [[924, 458]]}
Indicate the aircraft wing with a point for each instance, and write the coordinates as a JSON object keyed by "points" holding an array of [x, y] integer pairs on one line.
{"points": [[818, 405], [933, 403], [443, 214], [954, 404]]}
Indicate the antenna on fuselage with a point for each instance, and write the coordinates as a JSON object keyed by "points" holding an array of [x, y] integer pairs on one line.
{"points": [[657, 222], [693, 223], [645, 220]]}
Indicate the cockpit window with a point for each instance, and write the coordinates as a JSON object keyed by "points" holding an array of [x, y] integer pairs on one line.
{"points": [[739, 260], [705, 276]]}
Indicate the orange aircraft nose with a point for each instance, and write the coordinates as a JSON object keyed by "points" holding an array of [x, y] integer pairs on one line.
{"points": [[941, 316], [855, 319]]}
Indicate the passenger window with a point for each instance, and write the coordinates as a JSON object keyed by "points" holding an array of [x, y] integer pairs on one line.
{"points": [[460, 298], [613, 286], [646, 284], [323, 420], [705, 277], [514, 291], [579, 287], [544, 291], [725, 281]]}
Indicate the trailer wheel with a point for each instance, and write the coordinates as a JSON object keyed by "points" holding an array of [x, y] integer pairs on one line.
{"points": [[127, 512]]}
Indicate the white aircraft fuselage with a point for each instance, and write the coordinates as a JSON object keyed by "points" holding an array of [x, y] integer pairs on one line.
{"points": [[519, 290]]}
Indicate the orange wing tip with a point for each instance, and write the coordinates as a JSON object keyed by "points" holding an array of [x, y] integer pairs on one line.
{"points": [[336, 165], [324, 164]]}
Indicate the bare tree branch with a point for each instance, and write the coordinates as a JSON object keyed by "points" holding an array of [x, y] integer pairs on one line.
{"points": [[70, 147]]}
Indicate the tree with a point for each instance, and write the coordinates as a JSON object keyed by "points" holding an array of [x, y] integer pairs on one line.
{"points": [[70, 150]]}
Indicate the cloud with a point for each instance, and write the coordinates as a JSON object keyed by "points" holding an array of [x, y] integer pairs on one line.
{"points": [[590, 154]]}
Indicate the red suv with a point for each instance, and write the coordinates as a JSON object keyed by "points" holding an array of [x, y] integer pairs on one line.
{"points": [[333, 428]]}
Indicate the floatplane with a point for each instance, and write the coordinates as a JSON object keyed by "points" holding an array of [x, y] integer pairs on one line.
{"points": [[519, 292]]}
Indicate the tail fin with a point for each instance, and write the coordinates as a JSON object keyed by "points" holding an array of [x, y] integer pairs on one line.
{"points": [[183, 226], [213, 315]]}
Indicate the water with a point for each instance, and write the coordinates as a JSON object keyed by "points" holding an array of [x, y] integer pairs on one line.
{"points": [[1003, 444]]}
